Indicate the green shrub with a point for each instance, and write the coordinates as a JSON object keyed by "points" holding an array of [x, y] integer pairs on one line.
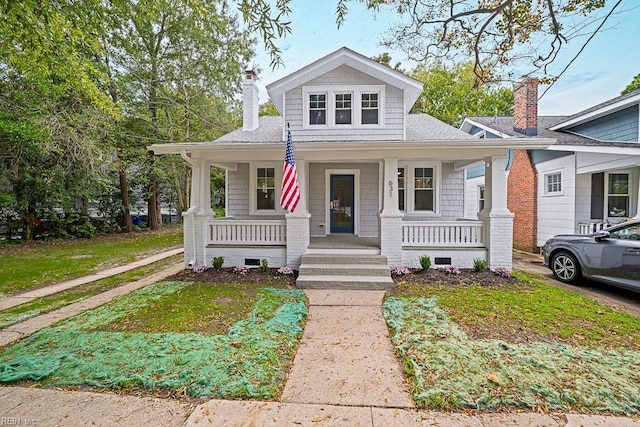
{"points": [[479, 265], [425, 262], [217, 262], [264, 265]]}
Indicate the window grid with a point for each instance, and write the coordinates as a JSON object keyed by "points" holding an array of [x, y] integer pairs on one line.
{"points": [[618, 195], [343, 108], [265, 189], [423, 189], [369, 107], [553, 183], [318, 109]]}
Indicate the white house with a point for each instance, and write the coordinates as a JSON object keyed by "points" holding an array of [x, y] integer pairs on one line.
{"points": [[374, 179], [589, 178]]}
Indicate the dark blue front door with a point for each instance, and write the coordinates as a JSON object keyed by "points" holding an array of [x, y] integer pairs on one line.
{"points": [[341, 204]]}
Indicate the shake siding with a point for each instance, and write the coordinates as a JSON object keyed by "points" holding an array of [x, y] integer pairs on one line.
{"points": [[367, 218], [346, 76], [556, 214], [451, 197], [238, 197]]}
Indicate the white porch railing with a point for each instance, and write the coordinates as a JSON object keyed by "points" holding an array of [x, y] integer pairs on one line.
{"points": [[247, 232], [591, 227], [447, 234]]}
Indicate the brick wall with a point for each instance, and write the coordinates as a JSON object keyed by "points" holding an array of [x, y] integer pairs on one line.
{"points": [[525, 107], [522, 201]]}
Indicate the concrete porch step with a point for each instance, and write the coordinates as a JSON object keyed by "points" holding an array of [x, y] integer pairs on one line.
{"points": [[342, 259], [369, 270], [337, 271], [344, 282]]}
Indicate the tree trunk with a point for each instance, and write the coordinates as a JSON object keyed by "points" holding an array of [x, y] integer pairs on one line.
{"points": [[154, 220], [125, 221]]}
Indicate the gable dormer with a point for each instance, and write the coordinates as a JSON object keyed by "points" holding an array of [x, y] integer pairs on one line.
{"points": [[345, 96]]}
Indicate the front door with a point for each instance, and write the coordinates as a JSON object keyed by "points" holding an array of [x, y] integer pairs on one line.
{"points": [[341, 204]]}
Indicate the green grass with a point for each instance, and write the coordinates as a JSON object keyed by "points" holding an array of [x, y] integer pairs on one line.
{"points": [[200, 307], [53, 302], [250, 360], [533, 308], [28, 266]]}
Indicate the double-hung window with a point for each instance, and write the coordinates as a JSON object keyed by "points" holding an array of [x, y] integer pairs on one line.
{"points": [[618, 195], [266, 189], [423, 189], [553, 184], [343, 108], [401, 187], [369, 108], [318, 109]]}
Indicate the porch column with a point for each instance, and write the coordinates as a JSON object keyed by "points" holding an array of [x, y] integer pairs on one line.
{"points": [[196, 218], [298, 236], [497, 217], [391, 217]]}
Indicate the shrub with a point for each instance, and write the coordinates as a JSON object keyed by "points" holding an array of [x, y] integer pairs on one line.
{"points": [[479, 265], [241, 270], [200, 268], [502, 272], [285, 271], [217, 262], [264, 265], [425, 262], [400, 271], [451, 269]]}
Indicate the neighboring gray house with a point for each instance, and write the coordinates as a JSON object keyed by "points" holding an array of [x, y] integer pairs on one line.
{"points": [[374, 180], [588, 179]]}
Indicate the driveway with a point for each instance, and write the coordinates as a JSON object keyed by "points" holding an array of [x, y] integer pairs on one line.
{"points": [[616, 298]]}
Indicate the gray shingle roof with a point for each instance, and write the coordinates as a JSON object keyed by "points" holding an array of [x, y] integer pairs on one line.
{"points": [[505, 125], [420, 127]]}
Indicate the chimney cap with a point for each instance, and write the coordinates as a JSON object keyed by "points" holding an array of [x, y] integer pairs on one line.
{"points": [[250, 74]]}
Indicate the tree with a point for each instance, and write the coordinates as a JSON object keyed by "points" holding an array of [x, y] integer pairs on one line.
{"points": [[450, 94], [635, 84]]}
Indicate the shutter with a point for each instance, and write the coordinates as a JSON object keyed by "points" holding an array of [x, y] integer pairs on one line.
{"points": [[597, 195]]}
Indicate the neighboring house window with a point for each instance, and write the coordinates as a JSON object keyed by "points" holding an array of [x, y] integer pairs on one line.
{"points": [[343, 108], [480, 198], [423, 189], [553, 183], [618, 195], [401, 187], [369, 108], [265, 189], [318, 109]]}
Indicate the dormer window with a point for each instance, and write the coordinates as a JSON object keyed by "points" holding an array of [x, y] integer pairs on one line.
{"points": [[317, 109], [369, 108], [343, 106]]}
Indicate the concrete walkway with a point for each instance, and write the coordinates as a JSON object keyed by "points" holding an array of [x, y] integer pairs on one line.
{"points": [[16, 332], [25, 297]]}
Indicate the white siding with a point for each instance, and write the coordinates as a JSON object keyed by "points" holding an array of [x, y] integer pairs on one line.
{"points": [[583, 198], [471, 197], [556, 214], [346, 76], [369, 182]]}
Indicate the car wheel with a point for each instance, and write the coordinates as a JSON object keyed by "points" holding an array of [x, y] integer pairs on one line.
{"points": [[566, 268]]}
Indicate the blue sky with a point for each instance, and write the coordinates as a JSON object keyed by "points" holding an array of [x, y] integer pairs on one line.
{"points": [[605, 67]]}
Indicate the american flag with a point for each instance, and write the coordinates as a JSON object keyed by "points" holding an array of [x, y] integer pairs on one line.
{"points": [[290, 195]]}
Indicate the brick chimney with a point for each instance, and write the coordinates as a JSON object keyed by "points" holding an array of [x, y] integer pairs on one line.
{"points": [[525, 108], [250, 94]]}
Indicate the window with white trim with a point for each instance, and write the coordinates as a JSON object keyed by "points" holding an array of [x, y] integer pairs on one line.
{"points": [[618, 195], [318, 109], [343, 106], [423, 187], [401, 187], [369, 107], [264, 188], [553, 184]]}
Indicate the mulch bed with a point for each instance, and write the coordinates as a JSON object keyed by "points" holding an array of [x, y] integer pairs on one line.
{"points": [[465, 278], [227, 275]]}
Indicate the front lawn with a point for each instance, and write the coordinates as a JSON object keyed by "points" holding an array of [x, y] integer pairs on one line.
{"points": [[27, 266], [166, 348], [525, 345]]}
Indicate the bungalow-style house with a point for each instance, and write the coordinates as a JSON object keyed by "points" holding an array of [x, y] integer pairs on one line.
{"points": [[375, 182], [589, 178]]}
